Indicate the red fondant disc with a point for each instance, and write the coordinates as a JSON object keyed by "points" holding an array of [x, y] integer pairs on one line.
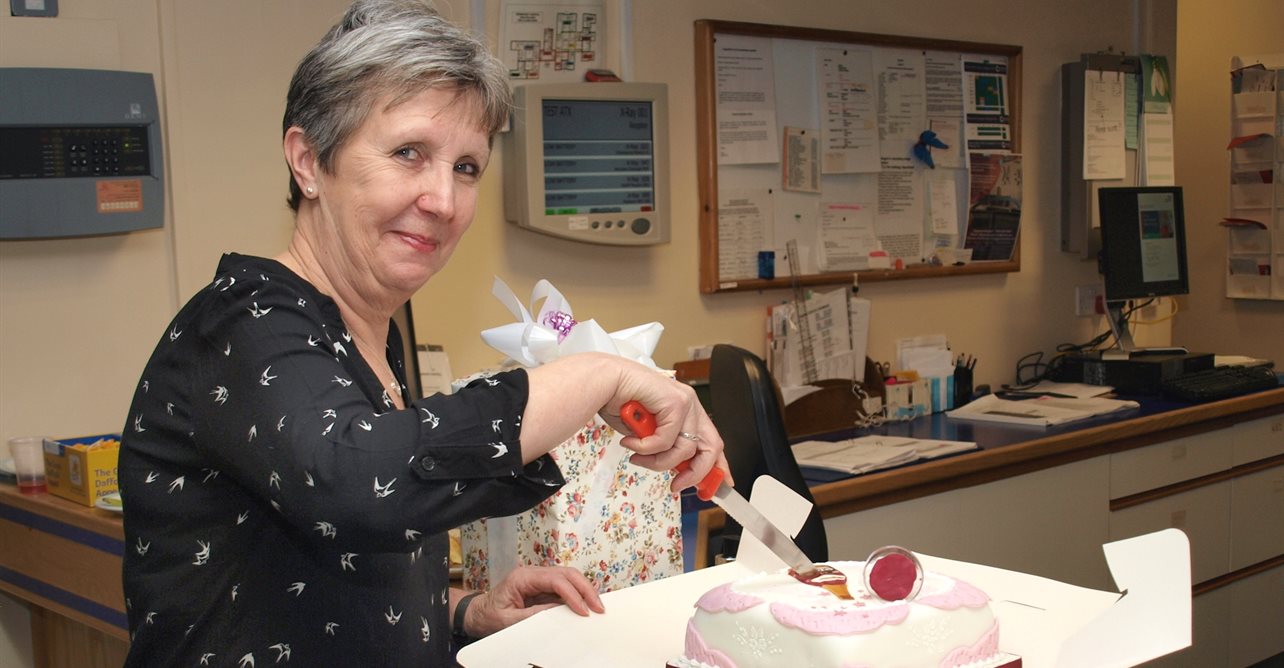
{"points": [[893, 577]]}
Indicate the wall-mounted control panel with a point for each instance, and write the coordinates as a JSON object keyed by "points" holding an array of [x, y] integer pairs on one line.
{"points": [[80, 153]]}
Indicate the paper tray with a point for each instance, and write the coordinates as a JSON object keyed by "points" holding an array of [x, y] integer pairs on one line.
{"points": [[1047, 623]]}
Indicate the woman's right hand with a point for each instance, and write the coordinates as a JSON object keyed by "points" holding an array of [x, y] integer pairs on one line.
{"points": [[566, 392], [683, 430]]}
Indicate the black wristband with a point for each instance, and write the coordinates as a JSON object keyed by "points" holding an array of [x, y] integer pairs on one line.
{"points": [[457, 622]]}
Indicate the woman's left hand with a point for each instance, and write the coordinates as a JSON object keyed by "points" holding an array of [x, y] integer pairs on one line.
{"points": [[528, 590]]}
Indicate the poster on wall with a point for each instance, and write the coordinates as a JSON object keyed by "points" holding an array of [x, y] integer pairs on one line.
{"points": [[551, 43], [994, 213]]}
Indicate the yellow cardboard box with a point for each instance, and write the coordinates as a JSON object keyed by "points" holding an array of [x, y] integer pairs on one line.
{"points": [[82, 469]]}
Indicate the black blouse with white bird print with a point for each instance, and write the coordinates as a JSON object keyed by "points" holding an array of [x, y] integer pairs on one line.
{"points": [[278, 509]]}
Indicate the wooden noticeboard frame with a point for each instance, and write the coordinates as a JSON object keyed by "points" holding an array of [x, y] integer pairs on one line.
{"points": [[706, 32]]}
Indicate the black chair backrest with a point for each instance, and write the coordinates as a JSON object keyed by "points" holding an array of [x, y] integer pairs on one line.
{"points": [[747, 412]]}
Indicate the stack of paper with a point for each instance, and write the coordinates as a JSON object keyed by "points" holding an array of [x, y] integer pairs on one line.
{"points": [[1042, 412], [872, 453]]}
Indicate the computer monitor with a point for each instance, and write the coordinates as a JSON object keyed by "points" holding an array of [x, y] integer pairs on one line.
{"points": [[590, 162], [1143, 252]]}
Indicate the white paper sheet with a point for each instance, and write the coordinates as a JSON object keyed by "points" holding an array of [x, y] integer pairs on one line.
{"points": [[746, 100], [1103, 125]]}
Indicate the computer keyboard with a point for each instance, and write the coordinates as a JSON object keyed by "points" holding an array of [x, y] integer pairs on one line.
{"points": [[1219, 383]]}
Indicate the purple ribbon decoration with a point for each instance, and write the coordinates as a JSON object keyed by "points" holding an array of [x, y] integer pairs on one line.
{"points": [[559, 322]]}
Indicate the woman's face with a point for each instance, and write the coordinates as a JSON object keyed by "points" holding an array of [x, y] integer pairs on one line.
{"points": [[402, 192]]}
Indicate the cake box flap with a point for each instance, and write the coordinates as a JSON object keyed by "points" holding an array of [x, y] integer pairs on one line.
{"points": [[782, 507], [1153, 616]]}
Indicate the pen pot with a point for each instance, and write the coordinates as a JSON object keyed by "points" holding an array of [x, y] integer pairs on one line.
{"points": [[962, 385]]}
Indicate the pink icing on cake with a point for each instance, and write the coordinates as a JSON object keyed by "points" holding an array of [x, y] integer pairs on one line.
{"points": [[986, 646], [960, 595], [724, 598], [838, 622], [698, 651], [768, 620]]}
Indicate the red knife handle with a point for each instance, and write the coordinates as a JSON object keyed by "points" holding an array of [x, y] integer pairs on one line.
{"points": [[642, 422]]}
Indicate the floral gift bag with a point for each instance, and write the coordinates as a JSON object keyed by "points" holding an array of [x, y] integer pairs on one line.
{"points": [[617, 523]]}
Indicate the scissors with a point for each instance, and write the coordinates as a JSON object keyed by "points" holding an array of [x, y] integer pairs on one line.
{"points": [[884, 369]]}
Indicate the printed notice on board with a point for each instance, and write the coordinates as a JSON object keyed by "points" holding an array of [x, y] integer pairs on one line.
{"points": [[801, 164], [849, 119], [746, 101], [994, 217], [743, 217], [986, 102], [846, 237], [1103, 125]]}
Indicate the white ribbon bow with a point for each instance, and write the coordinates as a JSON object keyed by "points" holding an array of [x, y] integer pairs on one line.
{"points": [[555, 333]]}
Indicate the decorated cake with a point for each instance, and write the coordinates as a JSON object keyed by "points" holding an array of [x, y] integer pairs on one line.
{"points": [[774, 619]]}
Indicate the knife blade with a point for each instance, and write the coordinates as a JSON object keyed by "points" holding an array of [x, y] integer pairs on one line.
{"points": [[713, 488]]}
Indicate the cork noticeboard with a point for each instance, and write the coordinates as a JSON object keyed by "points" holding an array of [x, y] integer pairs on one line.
{"points": [[807, 135]]}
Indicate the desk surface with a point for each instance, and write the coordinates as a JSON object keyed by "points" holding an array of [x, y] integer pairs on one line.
{"points": [[1009, 450]]}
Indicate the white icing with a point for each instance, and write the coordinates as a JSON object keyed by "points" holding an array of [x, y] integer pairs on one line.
{"points": [[754, 638]]}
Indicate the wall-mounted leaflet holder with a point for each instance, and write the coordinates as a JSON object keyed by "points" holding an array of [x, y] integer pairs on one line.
{"points": [[80, 153], [1080, 221]]}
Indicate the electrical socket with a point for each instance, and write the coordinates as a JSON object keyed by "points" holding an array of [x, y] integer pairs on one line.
{"points": [[1086, 298]]}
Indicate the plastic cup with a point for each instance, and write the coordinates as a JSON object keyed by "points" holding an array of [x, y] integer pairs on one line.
{"points": [[29, 463]]}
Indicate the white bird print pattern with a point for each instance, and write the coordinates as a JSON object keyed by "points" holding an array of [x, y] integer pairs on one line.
{"points": [[429, 418], [283, 652], [193, 426], [203, 554]]}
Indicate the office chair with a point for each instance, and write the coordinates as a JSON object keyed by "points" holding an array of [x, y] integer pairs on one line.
{"points": [[746, 410]]}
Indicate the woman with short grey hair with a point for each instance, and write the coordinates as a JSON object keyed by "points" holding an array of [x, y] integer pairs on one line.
{"points": [[286, 500]]}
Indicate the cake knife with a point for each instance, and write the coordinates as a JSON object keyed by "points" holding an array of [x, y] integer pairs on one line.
{"points": [[714, 488]]}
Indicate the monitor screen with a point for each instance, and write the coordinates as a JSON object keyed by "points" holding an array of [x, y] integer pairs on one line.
{"points": [[589, 162], [598, 156], [1143, 242]]}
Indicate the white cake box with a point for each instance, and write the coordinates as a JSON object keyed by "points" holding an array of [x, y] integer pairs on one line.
{"points": [[1049, 624]]}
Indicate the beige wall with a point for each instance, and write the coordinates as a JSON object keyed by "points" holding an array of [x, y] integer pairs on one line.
{"points": [[1210, 321], [79, 317]]}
